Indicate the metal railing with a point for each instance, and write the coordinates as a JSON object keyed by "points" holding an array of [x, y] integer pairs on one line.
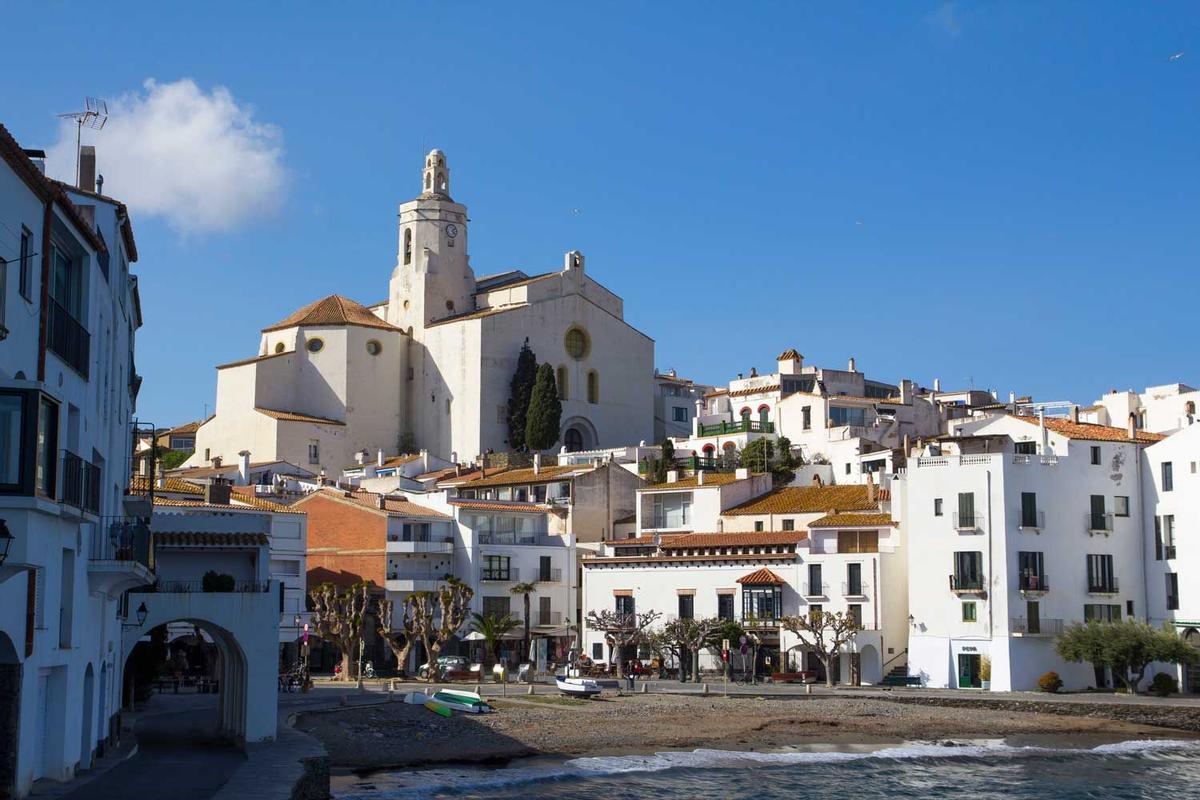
{"points": [[1032, 520], [80, 483], [741, 426], [197, 587], [549, 618], [967, 522], [525, 539], [415, 575], [511, 575], [553, 575], [420, 538], [121, 539], [966, 583], [760, 621], [854, 589], [1101, 584], [816, 590], [1098, 523], [688, 463], [67, 338], [1032, 583], [1035, 626]]}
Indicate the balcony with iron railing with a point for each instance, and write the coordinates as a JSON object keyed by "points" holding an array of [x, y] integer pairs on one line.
{"points": [[1103, 584], [967, 522], [760, 621], [245, 586], [1098, 523], [1035, 626], [689, 463], [546, 619], [967, 584], [1034, 520], [400, 542], [816, 590], [1030, 458], [522, 539], [1032, 583], [552, 575], [509, 575], [67, 338], [79, 483], [725, 427], [854, 588]]}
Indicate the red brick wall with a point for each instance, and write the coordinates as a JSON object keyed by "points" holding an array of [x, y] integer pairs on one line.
{"points": [[346, 527]]}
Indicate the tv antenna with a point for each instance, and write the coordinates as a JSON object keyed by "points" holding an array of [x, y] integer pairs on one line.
{"points": [[94, 115]]}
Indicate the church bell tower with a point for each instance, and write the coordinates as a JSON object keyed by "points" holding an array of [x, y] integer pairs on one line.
{"points": [[433, 278]]}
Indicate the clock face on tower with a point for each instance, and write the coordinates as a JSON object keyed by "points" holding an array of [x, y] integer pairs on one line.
{"points": [[452, 230]]}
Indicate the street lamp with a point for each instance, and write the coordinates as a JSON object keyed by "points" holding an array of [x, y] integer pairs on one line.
{"points": [[141, 614], [6, 540]]}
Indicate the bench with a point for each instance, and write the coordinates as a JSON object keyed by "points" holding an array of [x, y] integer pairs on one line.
{"points": [[902, 680], [804, 676]]}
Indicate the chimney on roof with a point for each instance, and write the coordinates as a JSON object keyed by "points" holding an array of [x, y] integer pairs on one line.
{"points": [[424, 460], [699, 477], [816, 480], [379, 457], [38, 157], [754, 372], [537, 463], [1043, 437], [244, 468], [672, 476], [850, 365], [1074, 413], [740, 376], [937, 384], [216, 492], [360, 457], [906, 392], [216, 462], [741, 473], [872, 490], [1131, 427], [453, 456], [381, 502], [87, 168]]}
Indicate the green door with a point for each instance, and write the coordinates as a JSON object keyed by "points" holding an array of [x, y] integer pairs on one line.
{"points": [[968, 671]]}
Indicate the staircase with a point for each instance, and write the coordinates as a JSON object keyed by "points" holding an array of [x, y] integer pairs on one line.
{"points": [[899, 677]]}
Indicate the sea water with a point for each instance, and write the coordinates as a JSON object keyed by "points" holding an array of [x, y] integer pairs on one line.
{"points": [[1159, 769]]}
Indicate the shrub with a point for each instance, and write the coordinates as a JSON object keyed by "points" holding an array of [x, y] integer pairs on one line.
{"points": [[985, 669], [216, 582], [1164, 684], [1050, 682]]}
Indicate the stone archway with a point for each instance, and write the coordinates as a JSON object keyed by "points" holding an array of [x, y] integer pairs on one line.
{"points": [[10, 715], [578, 434]]}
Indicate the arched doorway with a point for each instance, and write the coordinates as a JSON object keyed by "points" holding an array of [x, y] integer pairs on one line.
{"points": [[88, 723], [10, 714], [870, 670], [579, 434], [228, 670]]}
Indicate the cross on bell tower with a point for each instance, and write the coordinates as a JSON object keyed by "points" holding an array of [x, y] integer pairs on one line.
{"points": [[435, 180]]}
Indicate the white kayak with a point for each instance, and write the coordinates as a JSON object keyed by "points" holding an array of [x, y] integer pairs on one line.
{"points": [[461, 700], [577, 687]]}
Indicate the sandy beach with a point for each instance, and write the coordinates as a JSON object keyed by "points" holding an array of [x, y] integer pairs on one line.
{"points": [[397, 735]]}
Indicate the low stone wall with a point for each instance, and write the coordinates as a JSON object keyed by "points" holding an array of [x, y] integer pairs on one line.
{"points": [[1165, 716]]}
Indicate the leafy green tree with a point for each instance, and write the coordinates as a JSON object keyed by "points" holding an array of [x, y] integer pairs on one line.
{"points": [[171, 459], [1127, 647], [525, 589], [545, 411], [668, 453], [759, 455], [520, 392], [493, 628]]}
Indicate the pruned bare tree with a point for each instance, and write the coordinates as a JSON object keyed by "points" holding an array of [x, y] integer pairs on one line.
{"points": [[338, 617], [398, 628], [437, 615], [825, 632], [621, 630], [689, 636]]}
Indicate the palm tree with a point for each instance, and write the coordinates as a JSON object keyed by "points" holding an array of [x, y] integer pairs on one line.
{"points": [[525, 589], [493, 628]]}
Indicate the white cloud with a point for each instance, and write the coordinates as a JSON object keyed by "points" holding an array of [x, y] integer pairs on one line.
{"points": [[198, 159]]}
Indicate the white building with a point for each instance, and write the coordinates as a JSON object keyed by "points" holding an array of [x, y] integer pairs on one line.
{"points": [[1171, 499], [1017, 526], [726, 545], [68, 386], [1161, 409], [430, 367], [675, 401]]}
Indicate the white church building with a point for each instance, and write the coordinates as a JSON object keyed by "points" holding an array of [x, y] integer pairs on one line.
{"points": [[432, 365]]}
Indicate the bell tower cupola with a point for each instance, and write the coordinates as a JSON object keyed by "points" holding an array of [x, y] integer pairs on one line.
{"points": [[435, 179]]}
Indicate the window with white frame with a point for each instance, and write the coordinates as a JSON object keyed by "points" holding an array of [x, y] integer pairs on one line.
{"points": [[672, 510]]}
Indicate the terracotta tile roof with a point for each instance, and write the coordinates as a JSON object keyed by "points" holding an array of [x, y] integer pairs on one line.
{"points": [[790, 353], [139, 484], [877, 520], [501, 505], [689, 482], [513, 477], [447, 477], [188, 473], [761, 577], [1091, 431], [807, 500], [479, 314], [389, 462], [716, 393], [755, 390], [295, 416], [687, 541], [254, 360], [208, 538], [246, 494], [187, 427], [370, 500], [667, 558], [332, 310]]}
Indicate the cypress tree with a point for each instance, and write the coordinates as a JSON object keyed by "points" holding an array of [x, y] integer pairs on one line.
{"points": [[520, 390], [545, 411]]}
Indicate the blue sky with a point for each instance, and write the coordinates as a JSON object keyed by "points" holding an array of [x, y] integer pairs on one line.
{"points": [[1005, 194]]}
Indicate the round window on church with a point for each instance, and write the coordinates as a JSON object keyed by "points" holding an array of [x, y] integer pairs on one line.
{"points": [[315, 345], [374, 347], [577, 343]]}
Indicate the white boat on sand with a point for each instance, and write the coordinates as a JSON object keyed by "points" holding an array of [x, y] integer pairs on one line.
{"points": [[577, 687]]}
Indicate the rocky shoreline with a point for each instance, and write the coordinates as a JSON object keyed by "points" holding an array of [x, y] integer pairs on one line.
{"points": [[396, 735]]}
